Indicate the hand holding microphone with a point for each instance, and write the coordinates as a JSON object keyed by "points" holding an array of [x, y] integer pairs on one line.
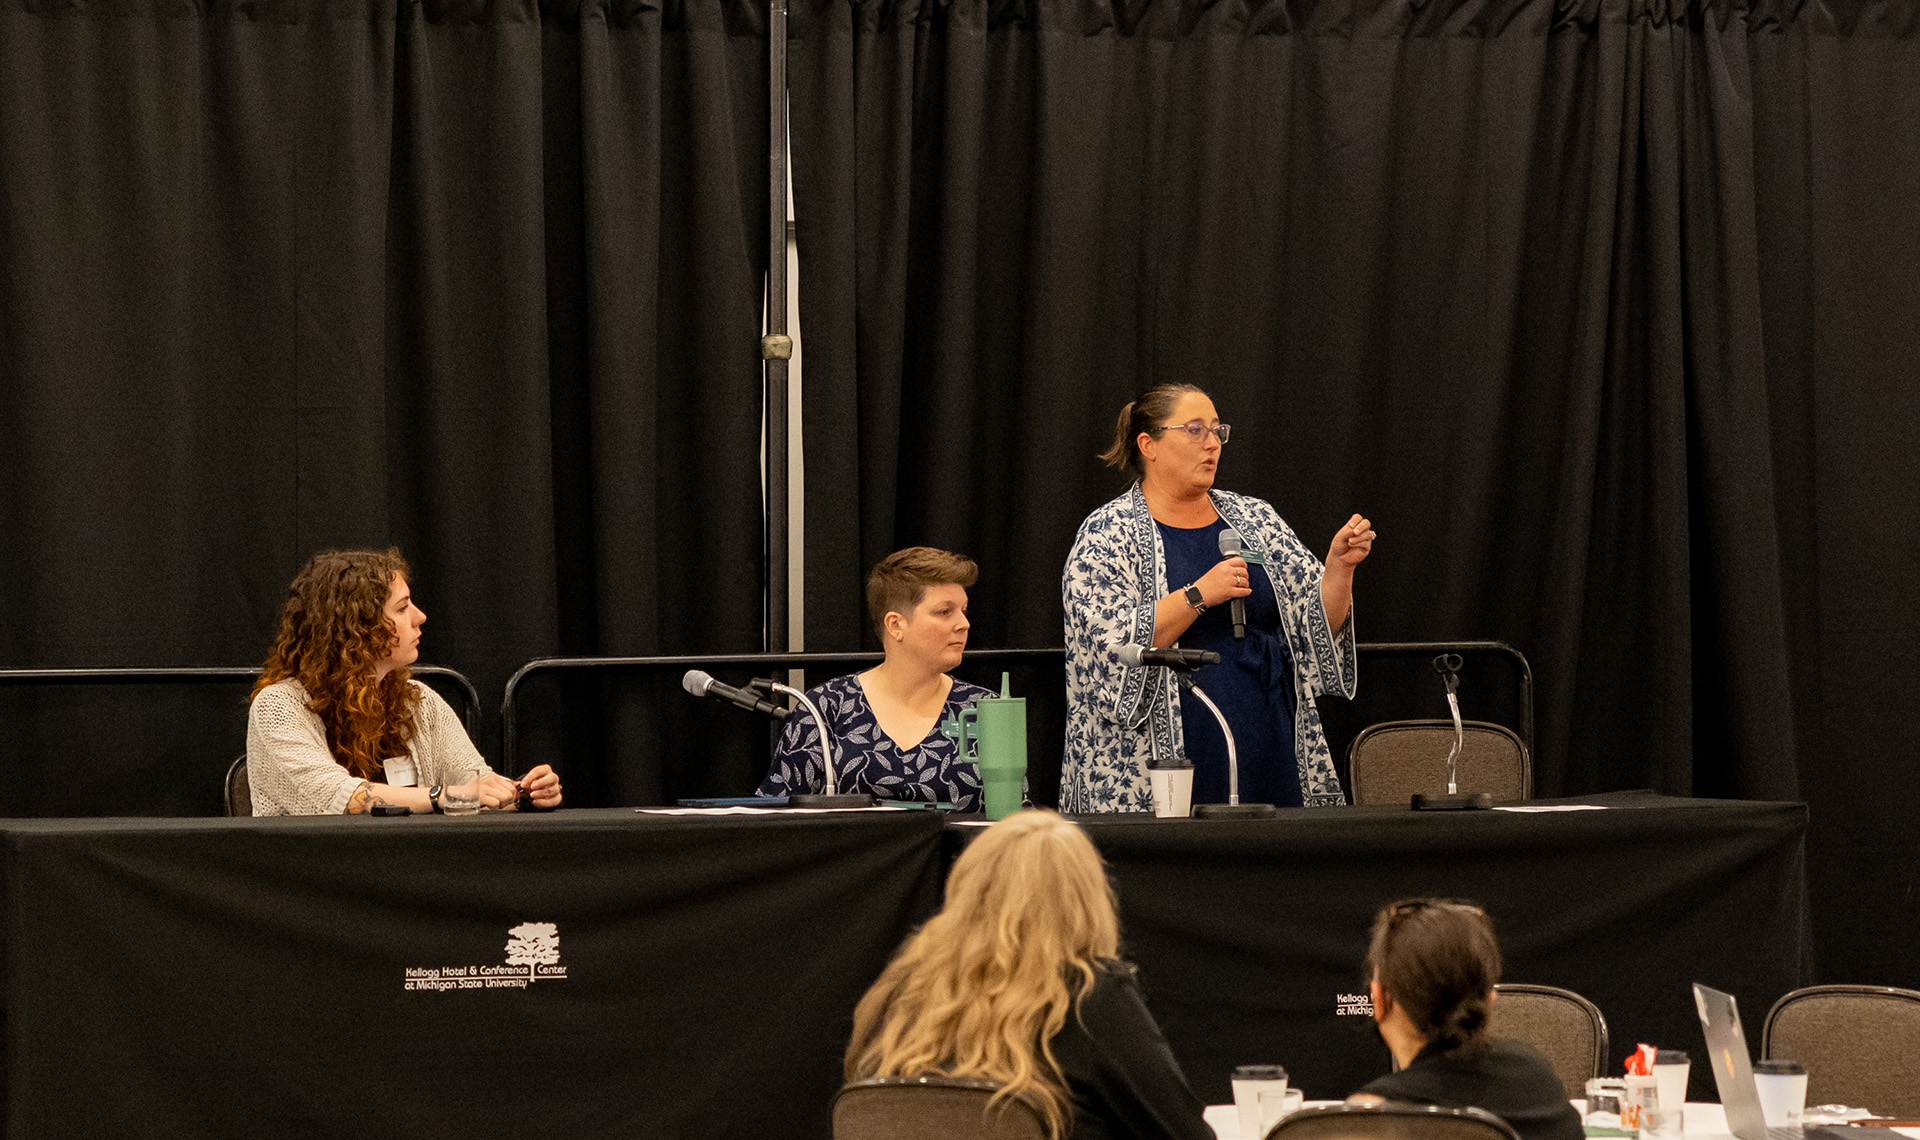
{"points": [[1227, 579], [1230, 550]]}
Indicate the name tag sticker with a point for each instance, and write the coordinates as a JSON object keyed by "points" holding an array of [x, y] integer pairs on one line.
{"points": [[400, 773]]}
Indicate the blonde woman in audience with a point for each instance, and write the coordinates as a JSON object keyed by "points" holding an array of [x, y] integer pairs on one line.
{"points": [[1018, 980], [334, 705]]}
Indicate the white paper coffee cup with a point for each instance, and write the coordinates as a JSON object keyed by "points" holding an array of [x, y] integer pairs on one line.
{"points": [[1172, 791], [1783, 1092], [1671, 1068], [1249, 1081]]}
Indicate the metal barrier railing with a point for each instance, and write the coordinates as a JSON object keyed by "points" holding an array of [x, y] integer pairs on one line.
{"points": [[1522, 670], [216, 674], [777, 662], [752, 662]]}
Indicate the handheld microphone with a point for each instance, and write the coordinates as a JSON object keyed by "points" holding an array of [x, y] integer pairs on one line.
{"points": [[1182, 660], [1230, 548], [701, 684]]}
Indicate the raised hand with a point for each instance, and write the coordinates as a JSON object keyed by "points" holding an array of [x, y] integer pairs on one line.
{"points": [[1351, 543]]}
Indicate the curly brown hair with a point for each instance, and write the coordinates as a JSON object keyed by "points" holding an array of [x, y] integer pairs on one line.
{"points": [[333, 634]]}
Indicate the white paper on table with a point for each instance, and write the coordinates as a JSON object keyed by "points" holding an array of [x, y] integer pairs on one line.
{"points": [[1555, 807], [1704, 1121], [1224, 1119], [745, 811]]}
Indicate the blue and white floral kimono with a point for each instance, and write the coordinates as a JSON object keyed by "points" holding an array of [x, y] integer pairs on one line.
{"points": [[1121, 719]]}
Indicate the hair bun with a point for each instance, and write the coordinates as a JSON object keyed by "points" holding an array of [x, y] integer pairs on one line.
{"points": [[1465, 1022]]}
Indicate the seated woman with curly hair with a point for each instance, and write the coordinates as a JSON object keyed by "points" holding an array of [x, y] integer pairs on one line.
{"points": [[1432, 965], [1017, 980], [334, 704]]}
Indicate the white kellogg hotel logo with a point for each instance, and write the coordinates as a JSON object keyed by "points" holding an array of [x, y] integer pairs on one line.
{"points": [[533, 955]]}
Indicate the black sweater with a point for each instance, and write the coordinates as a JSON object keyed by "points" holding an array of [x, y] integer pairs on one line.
{"points": [[1507, 1078], [1123, 1078]]}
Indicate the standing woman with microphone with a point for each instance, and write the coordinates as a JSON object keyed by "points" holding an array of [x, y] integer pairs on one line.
{"points": [[1154, 567]]}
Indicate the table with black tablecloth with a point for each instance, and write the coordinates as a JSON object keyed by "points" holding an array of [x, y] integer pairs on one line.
{"points": [[355, 976], [308, 977], [1250, 935]]}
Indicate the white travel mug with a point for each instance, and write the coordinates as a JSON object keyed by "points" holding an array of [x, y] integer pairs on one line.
{"points": [[1249, 1081], [1172, 789], [1671, 1068], [1783, 1092]]}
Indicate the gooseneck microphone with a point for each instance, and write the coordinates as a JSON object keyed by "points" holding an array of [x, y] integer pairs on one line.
{"points": [[700, 683], [1233, 808], [1230, 548], [1448, 666], [1183, 660], [833, 797]]}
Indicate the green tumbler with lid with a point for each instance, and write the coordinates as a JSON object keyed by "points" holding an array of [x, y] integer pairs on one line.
{"points": [[998, 728]]}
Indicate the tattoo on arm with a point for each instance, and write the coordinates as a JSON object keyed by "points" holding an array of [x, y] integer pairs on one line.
{"points": [[363, 798]]}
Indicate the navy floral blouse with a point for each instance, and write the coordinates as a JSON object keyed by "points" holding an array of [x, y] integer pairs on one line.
{"points": [[867, 759]]}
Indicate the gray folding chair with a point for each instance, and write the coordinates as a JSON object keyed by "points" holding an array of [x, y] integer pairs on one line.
{"points": [[931, 1108], [239, 792], [1567, 1029], [1387, 763], [1392, 1121], [1860, 1045]]}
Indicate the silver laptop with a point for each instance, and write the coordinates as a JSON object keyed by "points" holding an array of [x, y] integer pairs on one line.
{"points": [[1733, 1072]]}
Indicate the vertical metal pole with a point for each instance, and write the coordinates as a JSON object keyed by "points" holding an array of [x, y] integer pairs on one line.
{"points": [[776, 347]]}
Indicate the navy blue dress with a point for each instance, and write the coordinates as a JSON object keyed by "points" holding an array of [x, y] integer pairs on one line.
{"points": [[868, 760], [1252, 684]]}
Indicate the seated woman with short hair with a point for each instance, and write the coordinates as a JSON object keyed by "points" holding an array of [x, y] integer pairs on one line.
{"points": [[1017, 980], [334, 709], [886, 721], [1433, 964]]}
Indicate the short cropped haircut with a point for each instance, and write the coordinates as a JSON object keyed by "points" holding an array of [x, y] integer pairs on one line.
{"points": [[901, 579]]}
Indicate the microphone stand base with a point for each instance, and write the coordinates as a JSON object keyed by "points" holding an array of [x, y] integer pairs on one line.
{"points": [[1472, 801], [1234, 811], [830, 800]]}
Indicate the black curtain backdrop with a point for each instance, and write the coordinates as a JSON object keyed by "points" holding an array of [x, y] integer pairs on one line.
{"points": [[1604, 312], [482, 280]]}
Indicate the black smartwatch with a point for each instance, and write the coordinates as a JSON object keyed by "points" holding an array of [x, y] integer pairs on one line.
{"points": [[1195, 600], [433, 796]]}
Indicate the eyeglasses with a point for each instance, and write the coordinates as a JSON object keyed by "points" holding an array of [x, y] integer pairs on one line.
{"points": [[1196, 429]]}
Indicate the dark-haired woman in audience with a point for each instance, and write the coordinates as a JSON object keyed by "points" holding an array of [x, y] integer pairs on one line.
{"points": [[1017, 980], [335, 710], [1433, 965], [886, 721]]}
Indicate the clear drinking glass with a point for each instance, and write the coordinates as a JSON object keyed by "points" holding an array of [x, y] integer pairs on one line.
{"points": [[1658, 1120], [1275, 1105], [1606, 1102], [461, 794]]}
